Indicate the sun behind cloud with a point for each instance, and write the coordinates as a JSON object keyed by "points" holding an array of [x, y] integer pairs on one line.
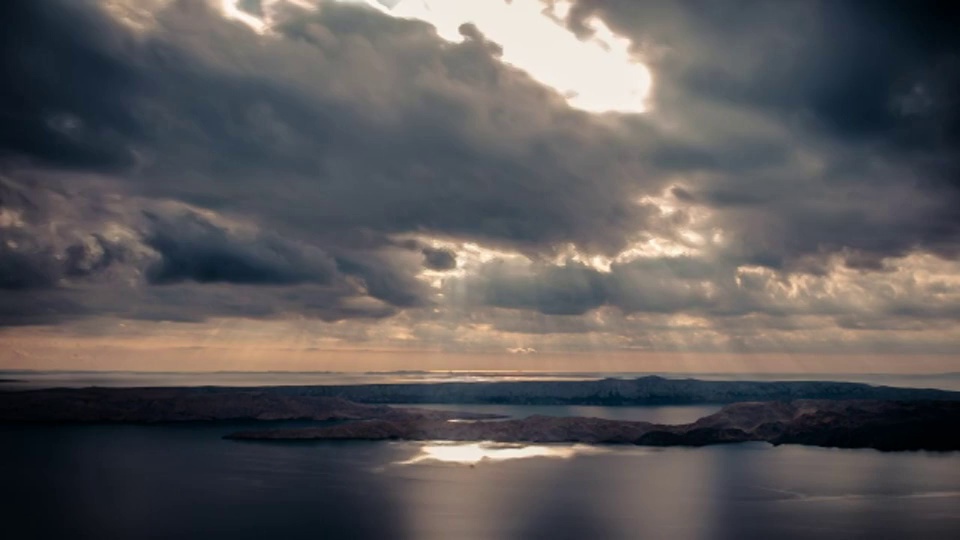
{"points": [[598, 73]]}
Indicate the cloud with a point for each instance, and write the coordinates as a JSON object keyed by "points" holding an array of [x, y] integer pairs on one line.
{"points": [[795, 175], [426, 136], [387, 275], [68, 251], [53, 235], [571, 289], [439, 259], [809, 129], [719, 291], [192, 248]]}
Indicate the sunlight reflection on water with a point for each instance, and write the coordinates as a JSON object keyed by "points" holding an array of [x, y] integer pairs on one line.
{"points": [[477, 452]]}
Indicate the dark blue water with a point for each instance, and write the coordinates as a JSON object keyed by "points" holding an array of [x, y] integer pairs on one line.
{"points": [[185, 482]]}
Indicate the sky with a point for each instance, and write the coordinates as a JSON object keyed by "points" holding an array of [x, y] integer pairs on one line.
{"points": [[681, 185]]}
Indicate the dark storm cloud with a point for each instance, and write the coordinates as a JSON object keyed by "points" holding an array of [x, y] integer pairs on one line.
{"points": [[65, 254], [385, 277], [22, 271], [38, 250], [866, 87], [194, 302], [421, 137], [855, 69], [23, 267], [60, 59], [272, 175], [187, 302], [37, 307], [658, 285], [571, 289], [439, 259], [388, 130], [192, 248]]}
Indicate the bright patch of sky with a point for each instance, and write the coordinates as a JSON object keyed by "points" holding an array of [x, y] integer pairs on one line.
{"points": [[597, 74]]}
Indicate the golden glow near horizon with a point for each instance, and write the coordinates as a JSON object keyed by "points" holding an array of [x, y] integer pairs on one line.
{"points": [[596, 74]]}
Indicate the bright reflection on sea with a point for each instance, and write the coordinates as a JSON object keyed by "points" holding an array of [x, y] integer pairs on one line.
{"points": [[477, 452]]}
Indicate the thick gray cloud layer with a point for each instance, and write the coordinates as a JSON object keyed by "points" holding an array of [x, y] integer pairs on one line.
{"points": [[193, 249], [439, 259], [860, 123], [193, 168], [362, 121]]}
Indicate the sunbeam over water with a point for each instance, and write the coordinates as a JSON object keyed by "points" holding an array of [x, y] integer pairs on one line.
{"points": [[474, 453]]}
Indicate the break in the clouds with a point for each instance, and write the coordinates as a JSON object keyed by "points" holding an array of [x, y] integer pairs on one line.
{"points": [[525, 176]]}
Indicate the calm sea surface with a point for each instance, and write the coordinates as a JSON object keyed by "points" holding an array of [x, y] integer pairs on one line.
{"points": [[186, 482], [678, 414]]}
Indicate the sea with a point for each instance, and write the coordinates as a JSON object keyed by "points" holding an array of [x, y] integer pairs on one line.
{"points": [[185, 481]]}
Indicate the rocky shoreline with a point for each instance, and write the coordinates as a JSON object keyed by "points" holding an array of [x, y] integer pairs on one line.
{"points": [[882, 425]]}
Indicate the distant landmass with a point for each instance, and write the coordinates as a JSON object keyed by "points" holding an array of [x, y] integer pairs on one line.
{"points": [[650, 390], [204, 404], [849, 415]]}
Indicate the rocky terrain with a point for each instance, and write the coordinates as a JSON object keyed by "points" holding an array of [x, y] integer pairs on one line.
{"points": [[884, 425], [651, 390], [147, 405]]}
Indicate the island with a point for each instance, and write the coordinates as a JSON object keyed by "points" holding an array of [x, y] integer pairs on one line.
{"points": [[882, 425], [847, 415]]}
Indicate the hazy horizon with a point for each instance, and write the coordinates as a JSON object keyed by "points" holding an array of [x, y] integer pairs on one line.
{"points": [[100, 358]]}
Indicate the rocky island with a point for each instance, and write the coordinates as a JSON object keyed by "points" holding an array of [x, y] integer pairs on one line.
{"points": [[883, 425], [845, 415]]}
